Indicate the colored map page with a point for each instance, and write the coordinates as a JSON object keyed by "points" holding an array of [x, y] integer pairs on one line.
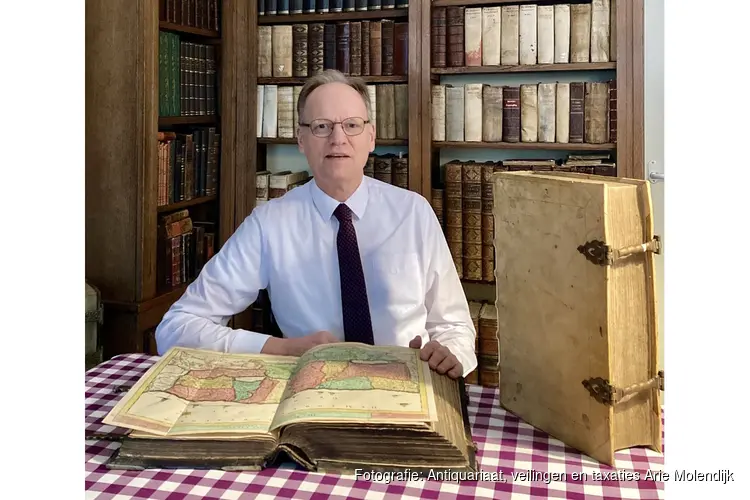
{"points": [[194, 392], [356, 382]]}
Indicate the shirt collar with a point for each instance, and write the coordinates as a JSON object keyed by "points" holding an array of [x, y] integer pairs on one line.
{"points": [[325, 205]]}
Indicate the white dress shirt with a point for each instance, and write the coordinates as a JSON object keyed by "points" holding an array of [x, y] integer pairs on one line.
{"points": [[288, 246]]}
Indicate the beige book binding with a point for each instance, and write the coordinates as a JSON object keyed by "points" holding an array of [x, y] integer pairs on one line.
{"points": [[473, 36], [527, 38], [509, 34], [529, 113], [580, 248], [562, 113], [282, 50], [491, 32], [600, 20], [438, 112], [454, 113], [545, 21], [580, 32], [270, 111], [473, 112], [562, 33], [546, 96]]}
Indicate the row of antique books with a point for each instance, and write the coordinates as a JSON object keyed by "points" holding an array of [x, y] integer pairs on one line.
{"points": [[357, 48], [187, 77], [390, 168], [188, 165], [282, 7], [202, 14], [184, 246], [562, 112], [524, 34], [484, 317], [463, 203], [277, 113]]}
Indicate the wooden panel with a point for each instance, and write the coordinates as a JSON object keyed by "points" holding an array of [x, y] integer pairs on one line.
{"points": [[530, 68], [117, 151], [638, 170], [228, 111], [416, 170], [425, 115]]}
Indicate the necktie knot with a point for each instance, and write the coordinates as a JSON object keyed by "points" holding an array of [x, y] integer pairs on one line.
{"points": [[343, 213]]}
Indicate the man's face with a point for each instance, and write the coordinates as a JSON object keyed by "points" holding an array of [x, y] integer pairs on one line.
{"points": [[336, 161]]}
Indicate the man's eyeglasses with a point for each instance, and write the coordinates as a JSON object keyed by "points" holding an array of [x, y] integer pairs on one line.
{"points": [[323, 128]]}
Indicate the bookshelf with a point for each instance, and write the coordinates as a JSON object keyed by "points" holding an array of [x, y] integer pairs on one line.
{"points": [[161, 125], [508, 62]]}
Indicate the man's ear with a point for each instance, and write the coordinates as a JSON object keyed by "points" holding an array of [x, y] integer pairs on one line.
{"points": [[372, 137]]}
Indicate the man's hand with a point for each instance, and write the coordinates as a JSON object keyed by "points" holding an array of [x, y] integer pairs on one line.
{"points": [[439, 357], [298, 346]]}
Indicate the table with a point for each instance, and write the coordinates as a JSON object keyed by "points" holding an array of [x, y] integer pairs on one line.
{"points": [[504, 444]]}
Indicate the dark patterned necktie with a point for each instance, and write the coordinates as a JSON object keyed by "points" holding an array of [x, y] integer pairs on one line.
{"points": [[354, 304]]}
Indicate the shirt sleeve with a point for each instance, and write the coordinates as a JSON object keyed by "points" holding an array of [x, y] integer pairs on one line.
{"points": [[448, 316], [228, 283]]}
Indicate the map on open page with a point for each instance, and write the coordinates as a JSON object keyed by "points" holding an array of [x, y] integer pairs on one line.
{"points": [[196, 391], [357, 382]]}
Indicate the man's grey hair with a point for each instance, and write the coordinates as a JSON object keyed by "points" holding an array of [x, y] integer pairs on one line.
{"points": [[334, 76]]}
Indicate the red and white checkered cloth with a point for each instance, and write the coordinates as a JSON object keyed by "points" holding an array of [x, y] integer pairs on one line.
{"points": [[505, 444]]}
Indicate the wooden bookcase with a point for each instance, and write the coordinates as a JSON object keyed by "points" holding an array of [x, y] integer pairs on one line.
{"points": [[124, 256], [122, 125]]}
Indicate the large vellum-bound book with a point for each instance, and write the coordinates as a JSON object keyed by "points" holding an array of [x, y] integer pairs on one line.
{"points": [[576, 308], [336, 408]]}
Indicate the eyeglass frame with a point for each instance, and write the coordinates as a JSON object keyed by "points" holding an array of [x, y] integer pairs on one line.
{"points": [[333, 126]]}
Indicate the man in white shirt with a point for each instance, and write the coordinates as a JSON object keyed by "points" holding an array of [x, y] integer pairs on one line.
{"points": [[396, 285]]}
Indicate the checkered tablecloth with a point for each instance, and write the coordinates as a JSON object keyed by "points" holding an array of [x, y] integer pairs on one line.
{"points": [[505, 444]]}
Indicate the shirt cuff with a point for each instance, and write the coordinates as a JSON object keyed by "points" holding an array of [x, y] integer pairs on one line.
{"points": [[247, 342]]}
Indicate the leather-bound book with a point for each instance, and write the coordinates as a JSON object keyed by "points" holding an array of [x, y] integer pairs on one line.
{"points": [[308, 6], [455, 113], [386, 113], [299, 42], [577, 110], [322, 6], [492, 113], [388, 4], [365, 48], [509, 35], [438, 34], [527, 37], [455, 35], [384, 168], [529, 112], [488, 223], [343, 57], [596, 108], [387, 40], [562, 33], [474, 308], [401, 49], [511, 113], [336, 5], [270, 8], [316, 48], [454, 232], [282, 7], [265, 51], [329, 46], [473, 36], [546, 98], [545, 22], [613, 111], [473, 112], [600, 23], [491, 43], [387, 428], [376, 48], [370, 166], [374, 5], [562, 113], [488, 359], [297, 7], [282, 50], [360, 5], [285, 96], [437, 195], [349, 6], [355, 48], [472, 219], [438, 111], [400, 171], [401, 110], [580, 32]]}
